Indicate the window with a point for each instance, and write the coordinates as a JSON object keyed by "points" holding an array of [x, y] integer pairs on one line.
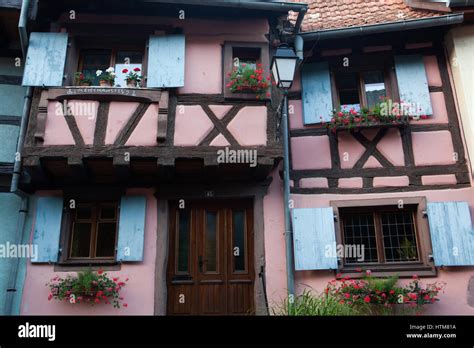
{"points": [[249, 53], [384, 235], [93, 231], [100, 59], [360, 89]]}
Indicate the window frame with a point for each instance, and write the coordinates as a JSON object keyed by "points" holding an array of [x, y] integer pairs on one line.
{"points": [[228, 61], [75, 56], [98, 198], [365, 63], [423, 267]]}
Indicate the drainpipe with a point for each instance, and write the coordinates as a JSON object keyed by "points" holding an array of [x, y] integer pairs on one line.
{"points": [[13, 275], [290, 275]]}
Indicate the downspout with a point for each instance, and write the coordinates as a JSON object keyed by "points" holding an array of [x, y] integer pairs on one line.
{"points": [[286, 175], [13, 276]]}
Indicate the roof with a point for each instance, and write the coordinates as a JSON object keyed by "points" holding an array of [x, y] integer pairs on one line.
{"points": [[337, 14], [10, 4]]}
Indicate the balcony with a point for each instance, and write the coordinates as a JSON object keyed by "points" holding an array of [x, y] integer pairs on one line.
{"points": [[138, 136]]}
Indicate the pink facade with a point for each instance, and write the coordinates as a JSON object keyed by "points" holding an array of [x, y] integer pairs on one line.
{"points": [[430, 148], [139, 293]]}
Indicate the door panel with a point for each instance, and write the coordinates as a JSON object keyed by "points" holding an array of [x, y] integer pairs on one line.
{"points": [[210, 265]]}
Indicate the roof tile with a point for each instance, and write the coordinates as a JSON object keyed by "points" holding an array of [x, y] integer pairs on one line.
{"points": [[334, 14]]}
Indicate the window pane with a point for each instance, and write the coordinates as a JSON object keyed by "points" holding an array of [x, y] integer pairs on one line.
{"points": [[81, 239], [348, 88], [129, 57], [210, 247], [127, 60], [107, 212], [360, 244], [94, 60], [106, 239], [239, 240], [399, 236], [183, 241], [83, 213], [374, 87], [248, 56]]}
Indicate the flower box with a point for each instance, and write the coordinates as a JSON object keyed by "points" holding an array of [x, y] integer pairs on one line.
{"points": [[382, 115], [87, 287], [247, 80], [369, 125]]}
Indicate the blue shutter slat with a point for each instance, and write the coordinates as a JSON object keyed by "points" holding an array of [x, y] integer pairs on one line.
{"points": [[131, 228], [413, 83], [313, 233], [49, 211], [452, 236], [316, 93], [166, 61], [45, 59]]}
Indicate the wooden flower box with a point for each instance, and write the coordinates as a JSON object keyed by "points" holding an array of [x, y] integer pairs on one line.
{"points": [[368, 125]]}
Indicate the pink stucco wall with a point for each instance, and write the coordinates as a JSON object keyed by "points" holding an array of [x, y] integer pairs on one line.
{"points": [[248, 127], [203, 69], [85, 113], [453, 300], [138, 293], [312, 152]]}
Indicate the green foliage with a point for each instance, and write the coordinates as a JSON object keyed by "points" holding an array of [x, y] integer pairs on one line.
{"points": [[245, 78], [382, 112], [82, 78], [308, 304], [364, 296], [88, 286]]}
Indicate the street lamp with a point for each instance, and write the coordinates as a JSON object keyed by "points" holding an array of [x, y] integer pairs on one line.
{"points": [[283, 70], [284, 66]]}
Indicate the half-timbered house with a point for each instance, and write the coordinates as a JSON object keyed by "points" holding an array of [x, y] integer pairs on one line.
{"points": [[168, 183], [400, 187]]}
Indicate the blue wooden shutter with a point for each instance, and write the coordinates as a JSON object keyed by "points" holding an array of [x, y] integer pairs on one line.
{"points": [[313, 235], [49, 212], [316, 93], [131, 228], [166, 58], [452, 235], [413, 83], [45, 59]]}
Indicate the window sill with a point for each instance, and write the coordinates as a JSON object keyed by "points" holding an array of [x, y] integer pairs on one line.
{"points": [[75, 266], [370, 125], [403, 271], [150, 95], [246, 96]]}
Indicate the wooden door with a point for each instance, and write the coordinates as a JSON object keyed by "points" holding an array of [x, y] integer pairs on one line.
{"points": [[210, 264]]}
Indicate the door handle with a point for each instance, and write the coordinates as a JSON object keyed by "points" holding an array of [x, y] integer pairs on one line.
{"points": [[200, 263]]}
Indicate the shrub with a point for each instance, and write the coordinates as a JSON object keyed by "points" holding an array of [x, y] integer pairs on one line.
{"points": [[309, 304]]}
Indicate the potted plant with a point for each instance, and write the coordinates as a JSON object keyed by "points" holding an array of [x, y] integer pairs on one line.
{"points": [[107, 77], [246, 79], [384, 113], [87, 287], [382, 296], [83, 79], [133, 77]]}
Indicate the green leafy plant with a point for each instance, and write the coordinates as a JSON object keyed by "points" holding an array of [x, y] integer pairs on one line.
{"points": [[133, 75], [88, 287], [309, 304], [380, 295], [83, 79], [108, 75], [383, 112], [245, 78]]}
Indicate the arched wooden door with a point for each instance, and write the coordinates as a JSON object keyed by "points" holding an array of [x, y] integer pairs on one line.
{"points": [[211, 259]]}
